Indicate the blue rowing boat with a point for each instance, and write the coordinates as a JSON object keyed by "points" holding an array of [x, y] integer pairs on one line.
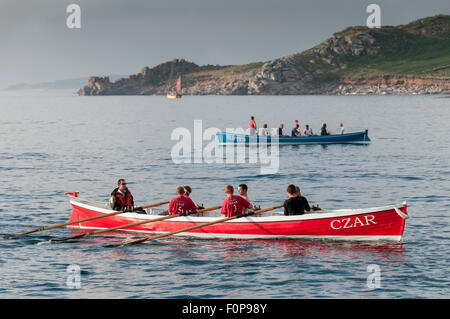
{"points": [[351, 138]]}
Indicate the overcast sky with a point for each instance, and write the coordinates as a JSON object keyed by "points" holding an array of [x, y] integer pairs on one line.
{"points": [[122, 36]]}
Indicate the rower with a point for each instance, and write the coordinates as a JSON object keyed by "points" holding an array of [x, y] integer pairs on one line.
{"points": [[242, 190], [121, 198], [296, 130], [296, 204], [324, 130], [308, 131], [280, 130], [341, 128], [234, 205], [181, 204], [188, 192], [263, 131]]}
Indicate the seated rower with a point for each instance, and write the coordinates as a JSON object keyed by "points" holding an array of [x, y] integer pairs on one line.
{"points": [[263, 131], [308, 131], [242, 190], [121, 198], [181, 204], [188, 192], [280, 130], [296, 204], [296, 130], [324, 130], [234, 205]]}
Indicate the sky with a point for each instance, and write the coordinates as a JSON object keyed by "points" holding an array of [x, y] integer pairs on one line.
{"points": [[122, 36]]}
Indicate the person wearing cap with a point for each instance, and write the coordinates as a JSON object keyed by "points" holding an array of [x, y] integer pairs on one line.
{"points": [[181, 204], [234, 205], [121, 198]]}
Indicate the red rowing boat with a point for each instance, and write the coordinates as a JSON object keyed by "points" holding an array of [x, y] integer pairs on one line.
{"points": [[378, 223]]}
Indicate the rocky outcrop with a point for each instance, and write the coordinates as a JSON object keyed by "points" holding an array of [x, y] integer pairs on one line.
{"points": [[157, 80], [393, 85], [338, 65]]}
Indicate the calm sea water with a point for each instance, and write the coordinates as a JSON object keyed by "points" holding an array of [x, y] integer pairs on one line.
{"points": [[55, 142]]}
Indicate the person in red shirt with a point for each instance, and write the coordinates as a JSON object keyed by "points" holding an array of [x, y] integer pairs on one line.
{"points": [[252, 126], [252, 123], [233, 205], [181, 204]]}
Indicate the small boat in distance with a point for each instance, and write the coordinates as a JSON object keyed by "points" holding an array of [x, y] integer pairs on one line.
{"points": [[177, 93], [350, 138]]}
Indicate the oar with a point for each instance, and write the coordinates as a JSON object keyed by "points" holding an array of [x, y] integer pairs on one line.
{"points": [[80, 221], [141, 222], [198, 226]]}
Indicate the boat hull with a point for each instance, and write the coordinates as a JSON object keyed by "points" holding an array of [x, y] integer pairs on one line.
{"points": [[177, 96], [352, 138], [382, 223]]}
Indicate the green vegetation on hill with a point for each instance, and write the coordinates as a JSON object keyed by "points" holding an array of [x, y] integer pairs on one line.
{"points": [[403, 53]]}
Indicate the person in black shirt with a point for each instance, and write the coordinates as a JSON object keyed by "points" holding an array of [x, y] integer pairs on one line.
{"points": [[280, 130], [324, 130], [296, 204]]}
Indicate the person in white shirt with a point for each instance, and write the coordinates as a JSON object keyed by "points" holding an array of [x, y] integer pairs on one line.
{"points": [[263, 131], [341, 128], [308, 131]]}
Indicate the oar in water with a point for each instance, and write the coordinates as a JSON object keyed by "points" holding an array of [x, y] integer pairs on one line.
{"points": [[198, 226], [80, 220], [141, 222]]}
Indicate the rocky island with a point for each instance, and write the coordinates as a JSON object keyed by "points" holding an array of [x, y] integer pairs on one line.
{"points": [[406, 59]]}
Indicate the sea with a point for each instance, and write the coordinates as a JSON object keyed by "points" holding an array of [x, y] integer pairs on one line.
{"points": [[55, 141]]}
